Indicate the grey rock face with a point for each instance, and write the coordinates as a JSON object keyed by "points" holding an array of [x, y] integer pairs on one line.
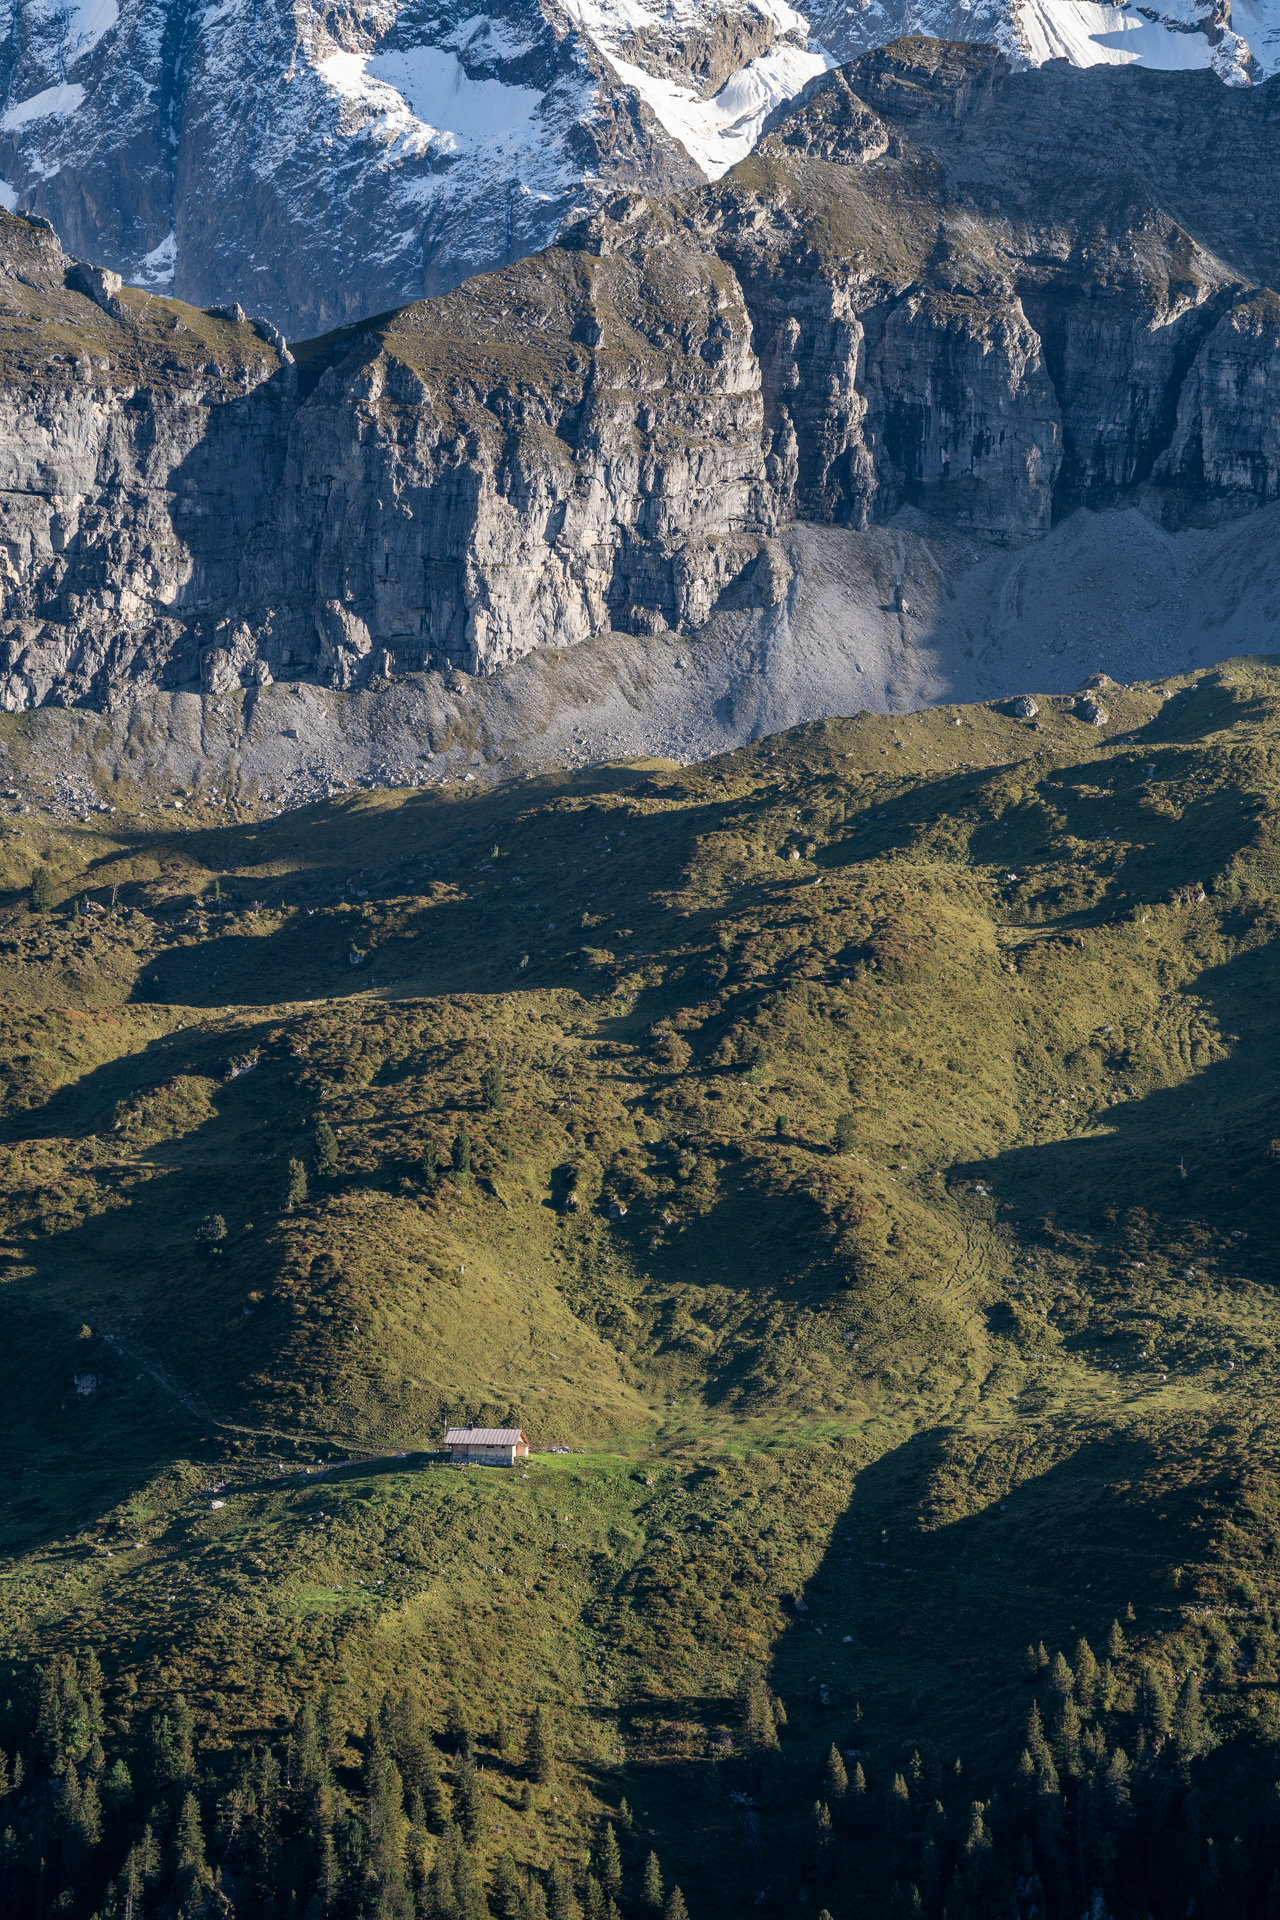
{"points": [[916, 297]]}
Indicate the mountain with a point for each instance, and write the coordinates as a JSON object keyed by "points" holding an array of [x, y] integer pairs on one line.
{"points": [[320, 167], [933, 300], [852, 1160]]}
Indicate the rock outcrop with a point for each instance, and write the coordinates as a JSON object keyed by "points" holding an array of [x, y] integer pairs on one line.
{"points": [[915, 296]]}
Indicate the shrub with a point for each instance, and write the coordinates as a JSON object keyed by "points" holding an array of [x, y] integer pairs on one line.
{"points": [[210, 1234]]}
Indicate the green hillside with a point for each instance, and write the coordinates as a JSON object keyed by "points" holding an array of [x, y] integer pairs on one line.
{"points": [[854, 1161]]}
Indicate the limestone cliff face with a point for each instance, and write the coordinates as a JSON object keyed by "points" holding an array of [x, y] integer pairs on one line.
{"points": [[904, 299]]}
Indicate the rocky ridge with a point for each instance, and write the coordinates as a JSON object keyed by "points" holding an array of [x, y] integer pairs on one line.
{"points": [[920, 295]]}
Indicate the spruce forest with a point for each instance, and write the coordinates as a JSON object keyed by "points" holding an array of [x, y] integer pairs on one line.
{"points": [[852, 1160]]}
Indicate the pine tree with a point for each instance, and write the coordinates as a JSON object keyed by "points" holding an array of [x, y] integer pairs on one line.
{"points": [[540, 1759], [675, 1908], [1069, 1738], [461, 1155], [492, 1088], [759, 1722], [43, 892], [837, 1777], [610, 1863], [1115, 1641], [1037, 1745], [561, 1904], [652, 1895], [1085, 1667], [430, 1166], [469, 1803], [1155, 1708], [90, 1822], [1116, 1791], [1188, 1718], [898, 1810], [296, 1188], [1061, 1678], [189, 1863], [458, 1728], [324, 1150], [506, 1896]]}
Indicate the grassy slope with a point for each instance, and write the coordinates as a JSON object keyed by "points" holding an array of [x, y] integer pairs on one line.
{"points": [[999, 1370]]}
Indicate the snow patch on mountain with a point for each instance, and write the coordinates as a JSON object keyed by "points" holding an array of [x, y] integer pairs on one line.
{"points": [[444, 97], [156, 269], [51, 103], [719, 132], [1091, 35], [87, 22]]}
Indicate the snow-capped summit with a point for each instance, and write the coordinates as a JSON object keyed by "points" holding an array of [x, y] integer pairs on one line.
{"points": [[322, 165]]}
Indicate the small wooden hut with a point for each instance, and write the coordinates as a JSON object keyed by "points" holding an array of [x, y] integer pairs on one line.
{"points": [[487, 1446]]}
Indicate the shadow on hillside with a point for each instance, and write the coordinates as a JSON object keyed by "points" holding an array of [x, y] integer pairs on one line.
{"points": [[1201, 1147], [1054, 1537]]}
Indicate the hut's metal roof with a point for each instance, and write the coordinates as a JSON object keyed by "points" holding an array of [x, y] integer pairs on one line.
{"points": [[483, 1437]]}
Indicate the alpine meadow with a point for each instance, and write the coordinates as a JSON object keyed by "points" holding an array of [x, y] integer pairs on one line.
{"points": [[851, 1160]]}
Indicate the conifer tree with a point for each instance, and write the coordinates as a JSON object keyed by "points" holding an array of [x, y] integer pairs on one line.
{"points": [[469, 1803], [461, 1155], [43, 893], [324, 1150], [1086, 1675], [652, 1894], [1154, 1705], [1069, 1738], [90, 1821], [610, 1863], [1116, 1790], [189, 1864], [759, 1723], [1037, 1745], [837, 1776], [435, 1802], [295, 1193], [540, 1749], [1061, 1678], [1188, 1717], [1115, 1641], [506, 1892], [898, 1810], [675, 1908], [492, 1088], [561, 1904]]}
